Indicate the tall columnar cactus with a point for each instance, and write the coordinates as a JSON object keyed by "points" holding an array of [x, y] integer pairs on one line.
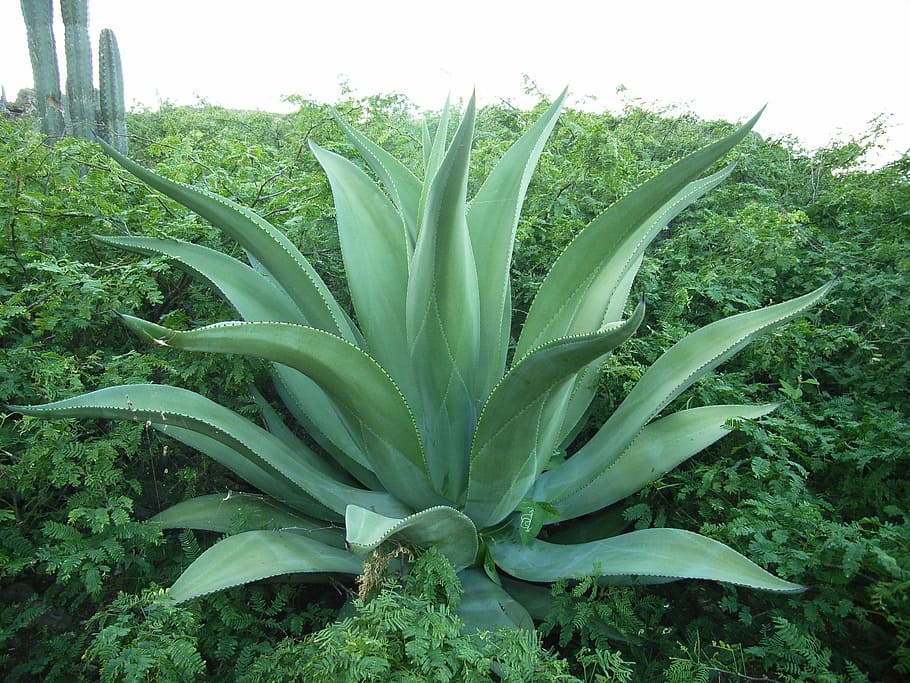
{"points": [[80, 94], [84, 107], [112, 113], [42, 50]]}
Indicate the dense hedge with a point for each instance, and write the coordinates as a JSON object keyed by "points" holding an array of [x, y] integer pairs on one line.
{"points": [[818, 492]]}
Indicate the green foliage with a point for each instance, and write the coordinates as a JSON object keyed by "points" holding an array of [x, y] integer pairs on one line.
{"points": [[139, 640], [409, 631], [826, 473]]}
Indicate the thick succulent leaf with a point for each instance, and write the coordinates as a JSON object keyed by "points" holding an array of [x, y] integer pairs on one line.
{"points": [[488, 607], [660, 447], [264, 242], [315, 410], [256, 452], [249, 467], [402, 185], [256, 297], [441, 527], [520, 426], [222, 434], [582, 289], [689, 359], [233, 512], [649, 554], [434, 149], [253, 296], [255, 555], [492, 220], [443, 319], [588, 381], [377, 253], [375, 409], [537, 600]]}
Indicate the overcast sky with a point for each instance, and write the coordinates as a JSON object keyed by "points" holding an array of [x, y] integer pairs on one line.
{"points": [[825, 67]]}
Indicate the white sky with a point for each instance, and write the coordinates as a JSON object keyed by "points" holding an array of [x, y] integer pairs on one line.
{"points": [[825, 67]]}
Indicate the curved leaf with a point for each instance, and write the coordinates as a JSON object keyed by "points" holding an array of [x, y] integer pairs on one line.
{"points": [[649, 554], [492, 220], [235, 512], [442, 527], [255, 555], [253, 296], [443, 319], [581, 291], [266, 244], [402, 185], [520, 426], [255, 454], [661, 446], [378, 414], [488, 607], [256, 297], [377, 253], [672, 373]]}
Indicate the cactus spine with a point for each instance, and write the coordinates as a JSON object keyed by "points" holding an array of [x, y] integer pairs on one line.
{"points": [[112, 123], [42, 50], [85, 108]]}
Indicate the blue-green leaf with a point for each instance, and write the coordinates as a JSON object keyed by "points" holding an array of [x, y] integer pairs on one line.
{"points": [[649, 554], [233, 512], [485, 606], [264, 242], [520, 426], [661, 446], [377, 253], [582, 289], [442, 527], [255, 555], [377, 413], [672, 373], [492, 220], [443, 319]]}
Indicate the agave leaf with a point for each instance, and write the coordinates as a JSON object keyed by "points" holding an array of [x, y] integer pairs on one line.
{"points": [[581, 291], [256, 298], [672, 373], [248, 467], [443, 319], [234, 512], [252, 295], [255, 555], [294, 477], [377, 253], [520, 425], [488, 607], [264, 242], [442, 527], [492, 220], [402, 185], [660, 447], [375, 408], [651, 555], [321, 418], [434, 149], [235, 442]]}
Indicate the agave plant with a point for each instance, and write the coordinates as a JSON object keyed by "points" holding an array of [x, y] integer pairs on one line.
{"points": [[432, 429]]}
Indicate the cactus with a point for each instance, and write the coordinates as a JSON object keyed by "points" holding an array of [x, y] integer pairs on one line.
{"points": [[42, 49], [80, 94], [112, 114], [86, 109]]}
